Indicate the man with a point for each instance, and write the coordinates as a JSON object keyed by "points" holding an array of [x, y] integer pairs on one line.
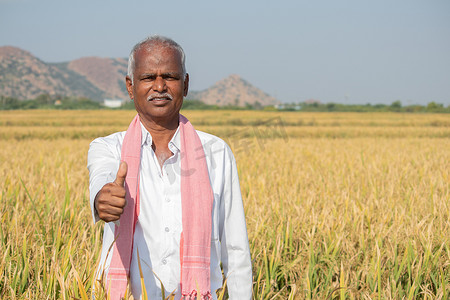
{"points": [[169, 194]]}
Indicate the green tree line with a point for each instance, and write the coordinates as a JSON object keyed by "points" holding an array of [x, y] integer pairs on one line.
{"points": [[46, 101], [396, 106]]}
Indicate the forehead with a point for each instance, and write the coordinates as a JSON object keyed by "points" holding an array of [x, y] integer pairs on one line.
{"points": [[154, 57]]}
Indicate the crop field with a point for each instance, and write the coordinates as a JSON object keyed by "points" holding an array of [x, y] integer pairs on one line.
{"points": [[338, 205]]}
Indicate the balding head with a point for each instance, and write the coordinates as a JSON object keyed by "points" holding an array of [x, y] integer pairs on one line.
{"points": [[152, 42]]}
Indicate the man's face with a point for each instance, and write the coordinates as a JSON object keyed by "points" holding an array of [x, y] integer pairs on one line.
{"points": [[158, 84]]}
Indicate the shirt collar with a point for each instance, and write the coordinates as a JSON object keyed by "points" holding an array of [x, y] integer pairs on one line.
{"points": [[146, 136], [174, 144]]}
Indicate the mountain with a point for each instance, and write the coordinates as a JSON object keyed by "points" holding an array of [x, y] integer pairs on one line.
{"points": [[106, 74], [24, 76], [233, 90]]}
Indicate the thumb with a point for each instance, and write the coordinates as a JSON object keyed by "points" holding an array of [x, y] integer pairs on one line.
{"points": [[121, 173]]}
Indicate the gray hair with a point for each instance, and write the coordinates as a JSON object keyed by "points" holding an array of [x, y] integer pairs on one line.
{"points": [[155, 39]]}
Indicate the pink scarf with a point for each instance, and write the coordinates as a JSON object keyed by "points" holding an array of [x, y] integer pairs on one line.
{"points": [[196, 203]]}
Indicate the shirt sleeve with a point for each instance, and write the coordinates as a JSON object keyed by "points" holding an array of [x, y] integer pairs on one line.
{"points": [[102, 163], [235, 250]]}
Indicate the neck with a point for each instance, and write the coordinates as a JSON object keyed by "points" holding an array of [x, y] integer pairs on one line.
{"points": [[161, 130]]}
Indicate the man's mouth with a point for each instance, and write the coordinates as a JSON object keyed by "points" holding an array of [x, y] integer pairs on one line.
{"points": [[160, 97]]}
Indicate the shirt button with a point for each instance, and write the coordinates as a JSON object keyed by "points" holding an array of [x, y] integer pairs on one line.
{"points": [[167, 199], [167, 229], [164, 261]]}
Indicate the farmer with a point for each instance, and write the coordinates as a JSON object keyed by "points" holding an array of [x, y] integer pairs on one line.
{"points": [[169, 194]]}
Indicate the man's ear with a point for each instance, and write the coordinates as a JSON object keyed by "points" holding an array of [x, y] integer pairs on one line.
{"points": [[129, 84], [186, 84]]}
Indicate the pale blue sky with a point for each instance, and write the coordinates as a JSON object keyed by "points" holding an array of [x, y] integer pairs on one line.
{"points": [[351, 51]]}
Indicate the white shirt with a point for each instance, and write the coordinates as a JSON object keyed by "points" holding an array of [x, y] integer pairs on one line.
{"points": [[158, 229]]}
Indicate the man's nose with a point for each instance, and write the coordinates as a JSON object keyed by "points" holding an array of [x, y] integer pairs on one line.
{"points": [[159, 85]]}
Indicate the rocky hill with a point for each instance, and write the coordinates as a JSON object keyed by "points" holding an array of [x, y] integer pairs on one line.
{"points": [[24, 76], [106, 74], [233, 90]]}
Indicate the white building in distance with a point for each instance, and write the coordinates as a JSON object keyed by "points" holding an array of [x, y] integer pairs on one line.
{"points": [[113, 103]]}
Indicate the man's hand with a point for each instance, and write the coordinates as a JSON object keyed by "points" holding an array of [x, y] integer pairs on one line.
{"points": [[110, 200]]}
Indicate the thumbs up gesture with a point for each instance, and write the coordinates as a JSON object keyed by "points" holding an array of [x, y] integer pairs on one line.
{"points": [[110, 200]]}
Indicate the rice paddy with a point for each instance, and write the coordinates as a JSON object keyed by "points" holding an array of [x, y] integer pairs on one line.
{"points": [[338, 205]]}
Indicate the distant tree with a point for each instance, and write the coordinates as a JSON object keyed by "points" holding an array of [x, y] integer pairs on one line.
{"points": [[257, 105], [396, 106], [331, 106], [43, 99], [269, 108], [380, 107], [8, 103], [434, 107], [129, 105]]}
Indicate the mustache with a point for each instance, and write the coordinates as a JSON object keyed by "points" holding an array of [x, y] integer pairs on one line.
{"points": [[158, 95]]}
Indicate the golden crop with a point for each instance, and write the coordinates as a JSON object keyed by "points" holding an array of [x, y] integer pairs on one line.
{"points": [[338, 205]]}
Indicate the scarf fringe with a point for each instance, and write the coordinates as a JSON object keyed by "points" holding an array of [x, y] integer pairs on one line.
{"points": [[193, 296]]}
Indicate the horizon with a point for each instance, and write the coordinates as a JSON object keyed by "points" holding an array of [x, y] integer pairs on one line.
{"points": [[348, 53]]}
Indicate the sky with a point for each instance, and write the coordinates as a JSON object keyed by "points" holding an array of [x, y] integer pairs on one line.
{"points": [[348, 51]]}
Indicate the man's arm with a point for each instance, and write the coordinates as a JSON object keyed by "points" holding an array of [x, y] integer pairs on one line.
{"points": [[107, 193], [235, 250]]}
